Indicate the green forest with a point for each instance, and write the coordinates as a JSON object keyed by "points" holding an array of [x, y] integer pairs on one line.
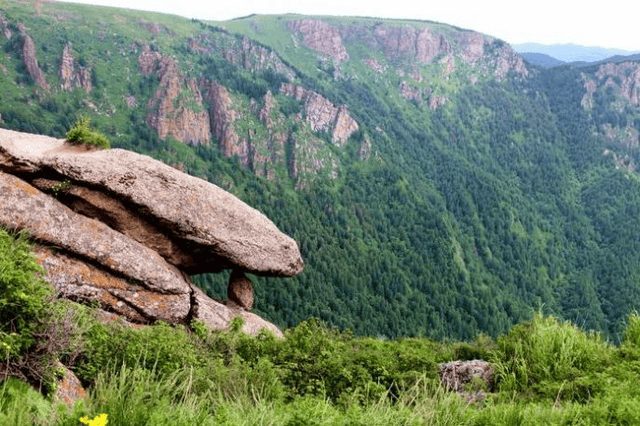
{"points": [[459, 220]]}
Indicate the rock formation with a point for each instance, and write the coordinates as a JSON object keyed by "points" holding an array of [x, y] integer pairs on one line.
{"points": [[124, 229], [628, 75], [222, 118], [322, 37], [409, 92], [73, 75], [374, 65], [243, 53], [171, 110], [4, 27], [458, 376], [321, 114], [31, 63], [406, 45], [240, 290]]}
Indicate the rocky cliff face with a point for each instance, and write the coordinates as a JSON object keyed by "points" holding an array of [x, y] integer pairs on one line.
{"points": [[623, 80], [322, 37], [322, 114], [31, 63], [405, 44], [222, 117], [243, 53], [176, 107], [73, 75], [125, 230], [421, 44]]}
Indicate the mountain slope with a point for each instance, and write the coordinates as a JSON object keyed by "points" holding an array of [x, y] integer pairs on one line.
{"points": [[541, 59], [572, 52], [436, 185]]}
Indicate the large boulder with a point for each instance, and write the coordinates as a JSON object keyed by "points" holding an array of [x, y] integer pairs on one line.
{"points": [[24, 207], [219, 230], [125, 231]]}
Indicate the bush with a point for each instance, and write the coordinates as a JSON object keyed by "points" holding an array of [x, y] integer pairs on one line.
{"points": [[23, 295], [82, 133], [551, 359]]}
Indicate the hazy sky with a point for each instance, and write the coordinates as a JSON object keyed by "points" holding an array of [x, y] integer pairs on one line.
{"points": [[612, 24]]}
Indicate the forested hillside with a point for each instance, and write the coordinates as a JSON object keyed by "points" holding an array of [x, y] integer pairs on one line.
{"points": [[437, 184]]}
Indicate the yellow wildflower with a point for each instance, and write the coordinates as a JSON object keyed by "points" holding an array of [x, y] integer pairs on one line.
{"points": [[100, 420]]}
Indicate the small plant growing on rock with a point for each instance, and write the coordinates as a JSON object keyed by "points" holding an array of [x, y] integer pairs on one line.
{"points": [[61, 187], [82, 133]]}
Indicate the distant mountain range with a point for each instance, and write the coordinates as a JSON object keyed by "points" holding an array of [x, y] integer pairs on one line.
{"points": [[557, 54]]}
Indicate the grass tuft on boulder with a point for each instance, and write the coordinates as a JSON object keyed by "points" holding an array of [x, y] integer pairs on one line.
{"points": [[81, 133]]}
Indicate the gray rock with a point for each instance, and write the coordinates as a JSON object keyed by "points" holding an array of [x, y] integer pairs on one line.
{"points": [[456, 374], [218, 316], [222, 231], [240, 290], [24, 207], [82, 282]]}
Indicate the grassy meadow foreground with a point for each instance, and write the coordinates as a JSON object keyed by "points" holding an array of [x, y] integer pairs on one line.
{"points": [[546, 371]]}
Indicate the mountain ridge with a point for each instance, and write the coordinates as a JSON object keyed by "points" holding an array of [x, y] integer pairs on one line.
{"points": [[572, 52]]}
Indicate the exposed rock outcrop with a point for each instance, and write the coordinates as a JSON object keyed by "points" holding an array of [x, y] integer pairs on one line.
{"points": [[176, 108], [222, 118], [31, 63], [627, 75], [458, 376], [4, 27], [457, 373], [472, 45], [409, 92], [587, 100], [321, 114], [436, 102], [322, 37], [73, 75], [188, 209], [423, 44], [344, 126], [375, 65], [406, 45], [509, 60], [69, 389], [136, 273], [243, 53]]}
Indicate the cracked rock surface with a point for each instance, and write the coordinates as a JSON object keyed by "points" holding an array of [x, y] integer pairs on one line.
{"points": [[127, 230]]}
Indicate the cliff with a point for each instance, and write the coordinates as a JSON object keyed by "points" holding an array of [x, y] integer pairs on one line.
{"points": [[320, 36], [321, 114], [176, 107], [72, 74], [619, 84], [31, 63]]}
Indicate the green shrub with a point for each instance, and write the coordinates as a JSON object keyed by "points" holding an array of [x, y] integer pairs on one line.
{"points": [[23, 295], [82, 133], [551, 359], [632, 332]]}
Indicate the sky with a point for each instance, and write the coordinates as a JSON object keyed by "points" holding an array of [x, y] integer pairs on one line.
{"points": [[611, 24]]}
